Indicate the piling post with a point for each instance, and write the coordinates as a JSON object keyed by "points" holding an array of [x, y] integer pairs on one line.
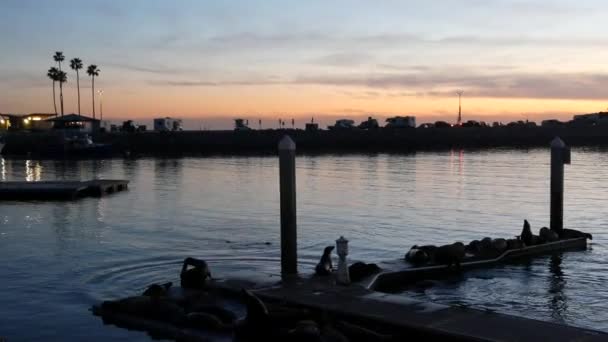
{"points": [[287, 178], [560, 155]]}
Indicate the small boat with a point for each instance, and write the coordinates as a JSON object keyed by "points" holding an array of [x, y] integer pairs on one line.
{"points": [[82, 144]]}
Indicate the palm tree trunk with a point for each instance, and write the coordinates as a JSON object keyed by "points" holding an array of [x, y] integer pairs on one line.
{"points": [[78, 86], [61, 96], [93, 92], [54, 99]]}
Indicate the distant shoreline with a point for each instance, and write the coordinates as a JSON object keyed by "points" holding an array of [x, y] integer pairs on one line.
{"points": [[314, 142]]}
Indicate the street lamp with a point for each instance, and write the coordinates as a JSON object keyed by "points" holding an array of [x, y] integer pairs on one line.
{"points": [[459, 92], [100, 92]]}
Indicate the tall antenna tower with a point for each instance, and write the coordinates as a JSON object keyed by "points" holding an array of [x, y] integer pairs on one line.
{"points": [[459, 92]]}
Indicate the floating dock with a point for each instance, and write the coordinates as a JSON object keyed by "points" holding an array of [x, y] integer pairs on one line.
{"points": [[392, 315], [60, 190]]}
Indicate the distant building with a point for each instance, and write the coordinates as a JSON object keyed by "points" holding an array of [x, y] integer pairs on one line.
{"points": [[75, 122], [25, 122], [369, 124], [241, 125], [342, 124], [551, 123], [401, 122], [600, 118], [311, 127], [167, 124]]}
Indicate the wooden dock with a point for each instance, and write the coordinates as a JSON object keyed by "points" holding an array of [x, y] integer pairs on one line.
{"points": [[60, 190]]}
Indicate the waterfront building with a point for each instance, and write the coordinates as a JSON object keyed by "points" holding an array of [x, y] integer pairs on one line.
{"points": [[342, 124], [241, 125], [167, 124], [600, 118], [401, 122], [77, 122], [25, 122]]}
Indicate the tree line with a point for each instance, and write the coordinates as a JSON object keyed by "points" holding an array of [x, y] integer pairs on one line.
{"points": [[57, 75]]}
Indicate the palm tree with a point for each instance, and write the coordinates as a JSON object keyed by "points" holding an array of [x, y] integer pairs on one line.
{"points": [[58, 57], [62, 77], [93, 71], [76, 64], [52, 74]]}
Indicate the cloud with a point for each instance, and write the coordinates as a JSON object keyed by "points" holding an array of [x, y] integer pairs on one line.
{"points": [[586, 86], [153, 69], [344, 59]]}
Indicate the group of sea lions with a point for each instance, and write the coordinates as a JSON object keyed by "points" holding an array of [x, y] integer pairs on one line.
{"points": [[486, 248], [200, 307], [357, 271]]}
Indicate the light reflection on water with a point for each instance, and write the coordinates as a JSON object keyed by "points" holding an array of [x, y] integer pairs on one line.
{"points": [[61, 257]]}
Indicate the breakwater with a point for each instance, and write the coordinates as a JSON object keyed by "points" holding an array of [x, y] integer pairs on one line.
{"points": [[265, 141]]}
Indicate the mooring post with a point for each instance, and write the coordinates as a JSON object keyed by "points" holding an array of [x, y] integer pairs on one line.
{"points": [[560, 155], [287, 175]]}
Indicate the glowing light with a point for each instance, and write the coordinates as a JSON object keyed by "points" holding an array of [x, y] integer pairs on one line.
{"points": [[36, 118], [1, 121], [26, 120]]}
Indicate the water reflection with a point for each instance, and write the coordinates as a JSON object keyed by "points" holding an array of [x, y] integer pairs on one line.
{"points": [[33, 170], [558, 302], [2, 169]]}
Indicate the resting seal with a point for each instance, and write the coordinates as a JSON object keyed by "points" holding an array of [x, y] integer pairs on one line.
{"points": [[547, 235], [474, 247], [499, 245], [573, 234], [360, 270], [515, 244], [325, 267], [421, 254], [450, 254]]}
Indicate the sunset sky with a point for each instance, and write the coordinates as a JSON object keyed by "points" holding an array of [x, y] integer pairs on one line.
{"points": [[211, 61]]}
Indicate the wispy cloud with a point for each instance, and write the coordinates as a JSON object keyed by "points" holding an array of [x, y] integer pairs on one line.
{"points": [[153, 69], [440, 84]]}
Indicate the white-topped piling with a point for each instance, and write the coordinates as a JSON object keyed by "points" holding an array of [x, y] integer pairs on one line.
{"points": [[560, 155]]}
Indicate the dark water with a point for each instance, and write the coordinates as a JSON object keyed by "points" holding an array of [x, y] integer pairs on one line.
{"points": [[59, 258]]}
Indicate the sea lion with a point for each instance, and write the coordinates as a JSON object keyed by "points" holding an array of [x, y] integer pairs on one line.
{"points": [[325, 267], [195, 277], [527, 237], [514, 244], [156, 290], [499, 245], [474, 247], [526, 234], [547, 235], [573, 234], [419, 255], [159, 308], [360, 270], [450, 254]]}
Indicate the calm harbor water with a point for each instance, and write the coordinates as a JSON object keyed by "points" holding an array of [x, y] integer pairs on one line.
{"points": [[59, 258]]}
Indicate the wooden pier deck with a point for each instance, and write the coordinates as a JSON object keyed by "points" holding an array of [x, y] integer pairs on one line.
{"points": [[60, 190]]}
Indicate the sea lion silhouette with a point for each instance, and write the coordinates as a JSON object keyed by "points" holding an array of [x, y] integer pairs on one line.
{"points": [[474, 247], [325, 267], [360, 270], [514, 244], [547, 235], [573, 234], [156, 290], [499, 245], [450, 254], [527, 237], [195, 277]]}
